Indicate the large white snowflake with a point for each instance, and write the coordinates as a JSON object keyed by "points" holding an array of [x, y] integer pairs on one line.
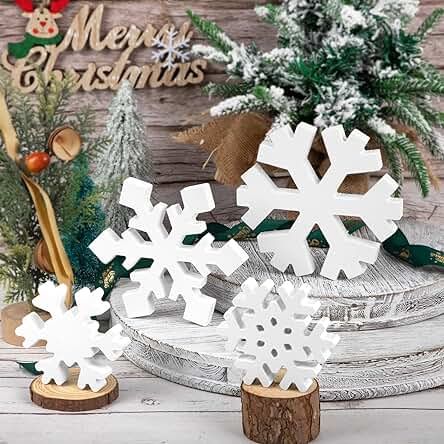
{"points": [[72, 336], [170, 275], [318, 200], [171, 49], [274, 332]]}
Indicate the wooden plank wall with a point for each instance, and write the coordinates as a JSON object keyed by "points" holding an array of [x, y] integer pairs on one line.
{"points": [[167, 110]]}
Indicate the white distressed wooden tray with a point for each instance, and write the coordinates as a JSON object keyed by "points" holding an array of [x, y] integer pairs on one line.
{"points": [[366, 364], [377, 356], [390, 293]]}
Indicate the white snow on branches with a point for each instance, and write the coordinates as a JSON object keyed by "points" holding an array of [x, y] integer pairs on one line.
{"points": [[396, 9], [352, 18], [236, 104], [340, 103], [127, 154], [381, 127], [276, 100], [210, 53]]}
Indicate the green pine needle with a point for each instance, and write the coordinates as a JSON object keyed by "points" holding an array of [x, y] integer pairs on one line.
{"points": [[227, 89], [413, 159], [214, 34], [429, 23], [408, 113], [432, 115], [409, 85], [269, 13]]}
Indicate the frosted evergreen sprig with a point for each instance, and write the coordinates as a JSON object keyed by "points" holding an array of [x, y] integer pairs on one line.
{"points": [[429, 23], [346, 62], [214, 34]]}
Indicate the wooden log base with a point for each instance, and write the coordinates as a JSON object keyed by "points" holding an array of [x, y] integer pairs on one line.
{"points": [[12, 316], [275, 416], [69, 398]]}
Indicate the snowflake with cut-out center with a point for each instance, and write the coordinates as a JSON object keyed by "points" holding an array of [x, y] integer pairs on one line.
{"points": [[171, 49], [170, 274], [318, 201], [72, 336], [276, 332]]}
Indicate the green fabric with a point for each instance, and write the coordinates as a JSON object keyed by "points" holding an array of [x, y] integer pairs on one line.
{"points": [[21, 50], [29, 367], [397, 245], [416, 255]]}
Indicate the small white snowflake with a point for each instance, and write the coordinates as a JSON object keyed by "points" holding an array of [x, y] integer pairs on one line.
{"points": [[170, 274], [171, 48], [72, 336], [318, 200], [276, 332]]}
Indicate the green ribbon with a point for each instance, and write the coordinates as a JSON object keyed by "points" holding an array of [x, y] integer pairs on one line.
{"points": [[21, 50], [397, 245], [29, 367]]}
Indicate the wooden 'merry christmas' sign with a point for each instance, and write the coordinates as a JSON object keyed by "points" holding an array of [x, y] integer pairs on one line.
{"points": [[44, 44]]}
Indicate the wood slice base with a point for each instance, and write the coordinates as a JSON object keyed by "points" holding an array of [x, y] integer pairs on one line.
{"points": [[365, 364], [272, 415], [69, 398], [12, 316]]}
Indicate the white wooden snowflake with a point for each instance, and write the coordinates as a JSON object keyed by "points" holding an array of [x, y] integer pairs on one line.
{"points": [[171, 49], [274, 332], [72, 336], [170, 275], [318, 200]]}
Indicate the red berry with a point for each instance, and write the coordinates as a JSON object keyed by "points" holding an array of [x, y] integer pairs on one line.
{"points": [[37, 162]]}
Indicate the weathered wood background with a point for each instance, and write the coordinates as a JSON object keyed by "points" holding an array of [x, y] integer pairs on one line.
{"points": [[167, 110]]}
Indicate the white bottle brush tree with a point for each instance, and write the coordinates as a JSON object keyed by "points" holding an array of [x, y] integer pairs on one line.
{"points": [[126, 155]]}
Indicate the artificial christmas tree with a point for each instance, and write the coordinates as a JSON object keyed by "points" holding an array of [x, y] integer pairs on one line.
{"points": [[126, 155]]}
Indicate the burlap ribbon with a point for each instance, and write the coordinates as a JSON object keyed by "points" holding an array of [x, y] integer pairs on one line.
{"points": [[233, 142], [43, 206]]}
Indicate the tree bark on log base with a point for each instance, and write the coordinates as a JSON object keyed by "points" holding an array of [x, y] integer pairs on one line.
{"points": [[275, 416]]}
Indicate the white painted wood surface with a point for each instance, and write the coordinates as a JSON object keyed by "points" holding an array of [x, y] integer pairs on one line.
{"points": [[377, 356], [365, 364], [389, 293], [153, 411]]}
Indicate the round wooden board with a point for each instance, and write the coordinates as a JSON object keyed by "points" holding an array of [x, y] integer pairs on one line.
{"points": [[365, 364], [12, 317], [388, 294], [69, 398]]}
